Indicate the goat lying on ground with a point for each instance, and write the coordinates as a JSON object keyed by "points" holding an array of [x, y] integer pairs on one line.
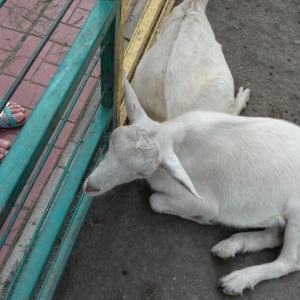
{"points": [[185, 68], [246, 170]]}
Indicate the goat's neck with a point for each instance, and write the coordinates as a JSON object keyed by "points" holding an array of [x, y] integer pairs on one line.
{"points": [[194, 126], [174, 131]]}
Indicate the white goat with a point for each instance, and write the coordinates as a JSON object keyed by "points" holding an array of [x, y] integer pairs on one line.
{"points": [[185, 68], [246, 170]]}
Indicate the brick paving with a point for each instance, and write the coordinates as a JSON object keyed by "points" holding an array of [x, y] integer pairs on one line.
{"points": [[22, 25]]}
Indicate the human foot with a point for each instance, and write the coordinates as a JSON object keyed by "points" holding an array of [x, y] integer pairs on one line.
{"points": [[13, 116], [4, 146]]}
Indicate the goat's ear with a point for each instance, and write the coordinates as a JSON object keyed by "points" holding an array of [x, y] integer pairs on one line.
{"points": [[134, 110], [173, 166]]}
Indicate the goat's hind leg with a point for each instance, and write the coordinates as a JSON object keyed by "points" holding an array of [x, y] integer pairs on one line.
{"points": [[287, 262], [241, 100], [248, 242]]}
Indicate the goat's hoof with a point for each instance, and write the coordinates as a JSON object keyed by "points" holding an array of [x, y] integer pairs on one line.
{"points": [[222, 251], [235, 283]]}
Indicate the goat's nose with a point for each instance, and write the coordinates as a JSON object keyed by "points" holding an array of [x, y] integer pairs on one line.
{"points": [[89, 188]]}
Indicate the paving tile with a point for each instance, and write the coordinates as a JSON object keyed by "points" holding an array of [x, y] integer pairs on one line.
{"points": [[11, 3], [79, 17], [30, 45], [83, 99], [64, 34], [57, 53], [70, 11], [44, 74], [4, 54], [6, 82], [28, 94], [9, 39], [56, 6], [64, 135], [15, 231], [7, 221], [35, 5], [16, 227], [20, 19], [4, 13], [7, 135], [42, 179], [97, 71], [87, 4], [3, 255], [54, 9], [42, 26], [15, 66]]}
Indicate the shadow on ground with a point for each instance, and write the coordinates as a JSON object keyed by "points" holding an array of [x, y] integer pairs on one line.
{"points": [[126, 251]]}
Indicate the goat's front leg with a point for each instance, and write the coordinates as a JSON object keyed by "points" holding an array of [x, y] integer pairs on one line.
{"points": [[248, 242], [287, 262], [184, 208]]}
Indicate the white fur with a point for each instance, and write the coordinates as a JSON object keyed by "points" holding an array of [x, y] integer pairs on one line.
{"points": [[185, 68], [215, 168]]}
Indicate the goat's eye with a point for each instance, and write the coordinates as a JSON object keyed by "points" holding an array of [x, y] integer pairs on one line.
{"points": [[139, 174]]}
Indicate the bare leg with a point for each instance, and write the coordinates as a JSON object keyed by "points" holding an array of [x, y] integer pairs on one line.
{"points": [[287, 262], [241, 100], [248, 242]]}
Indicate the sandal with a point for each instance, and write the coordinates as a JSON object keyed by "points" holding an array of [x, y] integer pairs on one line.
{"points": [[11, 120]]}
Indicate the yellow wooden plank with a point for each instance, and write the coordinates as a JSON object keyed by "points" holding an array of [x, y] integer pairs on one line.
{"points": [[141, 35], [144, 34], [120, 59], [165, 11]]}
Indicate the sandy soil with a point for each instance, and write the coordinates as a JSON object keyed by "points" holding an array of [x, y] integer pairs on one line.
{"points": [[126, 251]]}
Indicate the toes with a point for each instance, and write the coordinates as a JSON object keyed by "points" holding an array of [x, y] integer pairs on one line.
{"points": [[15, 108], [19, 117], [18, 113], [4, 146]]}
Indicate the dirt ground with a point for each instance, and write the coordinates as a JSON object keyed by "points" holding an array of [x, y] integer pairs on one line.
{"points": [[126, 251]]}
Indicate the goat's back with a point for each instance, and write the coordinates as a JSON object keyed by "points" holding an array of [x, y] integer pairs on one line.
{"points": [[185, 69]]}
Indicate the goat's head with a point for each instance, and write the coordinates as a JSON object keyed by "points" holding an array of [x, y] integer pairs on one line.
{"points": [[136, 151]]}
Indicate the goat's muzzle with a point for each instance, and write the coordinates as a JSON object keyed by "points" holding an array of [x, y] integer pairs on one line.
{"points": [[89, 188]]}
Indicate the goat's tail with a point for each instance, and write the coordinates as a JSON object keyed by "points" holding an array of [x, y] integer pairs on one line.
{"points": [[198, 5]]}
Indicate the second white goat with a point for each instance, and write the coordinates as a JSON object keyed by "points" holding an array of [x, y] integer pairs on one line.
{"points": [[246, 171], [185, 69]]}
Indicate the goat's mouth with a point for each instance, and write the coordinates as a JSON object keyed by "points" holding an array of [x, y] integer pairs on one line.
{"points": [[93, 193]]}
